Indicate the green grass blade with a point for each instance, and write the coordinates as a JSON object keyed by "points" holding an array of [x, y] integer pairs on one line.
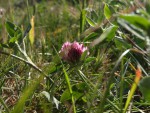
{"points": [[26, 94], [133, 88], [4, 105], [70, 89], [101, 108], [82, 20]]}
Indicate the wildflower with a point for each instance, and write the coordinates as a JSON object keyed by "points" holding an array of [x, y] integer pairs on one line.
{"points": [[72, 52]]}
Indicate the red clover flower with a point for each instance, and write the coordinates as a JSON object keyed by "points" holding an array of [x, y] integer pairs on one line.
{"points": [[72, 52]]}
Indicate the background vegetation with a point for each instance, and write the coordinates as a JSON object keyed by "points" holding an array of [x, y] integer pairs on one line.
{"points": [[113, 78]]}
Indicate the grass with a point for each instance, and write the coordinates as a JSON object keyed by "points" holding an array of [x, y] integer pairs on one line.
{"points": [[34, 77]]}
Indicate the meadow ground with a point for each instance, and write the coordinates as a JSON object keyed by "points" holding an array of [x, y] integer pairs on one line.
{"points": [[103, 68]]}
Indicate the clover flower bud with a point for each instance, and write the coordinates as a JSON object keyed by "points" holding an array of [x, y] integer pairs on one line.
{"points": [[72, 52]]}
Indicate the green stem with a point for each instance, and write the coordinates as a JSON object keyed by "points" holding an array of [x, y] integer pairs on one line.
{"points": [[121, 87], [70, 90], [101, 109]]}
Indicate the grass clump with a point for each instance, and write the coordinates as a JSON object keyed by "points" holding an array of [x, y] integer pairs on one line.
{"points": [[108, 51]]}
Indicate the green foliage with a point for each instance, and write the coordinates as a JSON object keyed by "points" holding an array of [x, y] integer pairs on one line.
{"points": [[14, 34], [78, 92], [138, 21], [90, 21], [107, 11], [145, 88], [90, 37], [28, 92], [82, 20], [34, 78], [108, 34]]}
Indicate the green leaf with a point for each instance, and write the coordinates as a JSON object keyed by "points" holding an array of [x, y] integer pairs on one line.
{"points": [[13, 31], [78, 92], [81, 87], [90, 21], [120, 43], [82, 20], [136, 20], [52, 68], [11, 28], [108, 34], [12, 40], [145, 88], [134, 30], [90, 37], [90, 59], [84, 55], [67, 96], [107, 11]]}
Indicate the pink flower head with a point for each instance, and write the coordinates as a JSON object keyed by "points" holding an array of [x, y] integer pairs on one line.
{"points": [[72, 52]]}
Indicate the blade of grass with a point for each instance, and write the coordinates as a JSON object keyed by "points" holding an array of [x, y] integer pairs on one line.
{"points": [[133, 88], [26, 94], [4, 105], [70, 90], [68, 82], [31, 88], [82, 20], [93, 88], [101, 108], [123, 72]]}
